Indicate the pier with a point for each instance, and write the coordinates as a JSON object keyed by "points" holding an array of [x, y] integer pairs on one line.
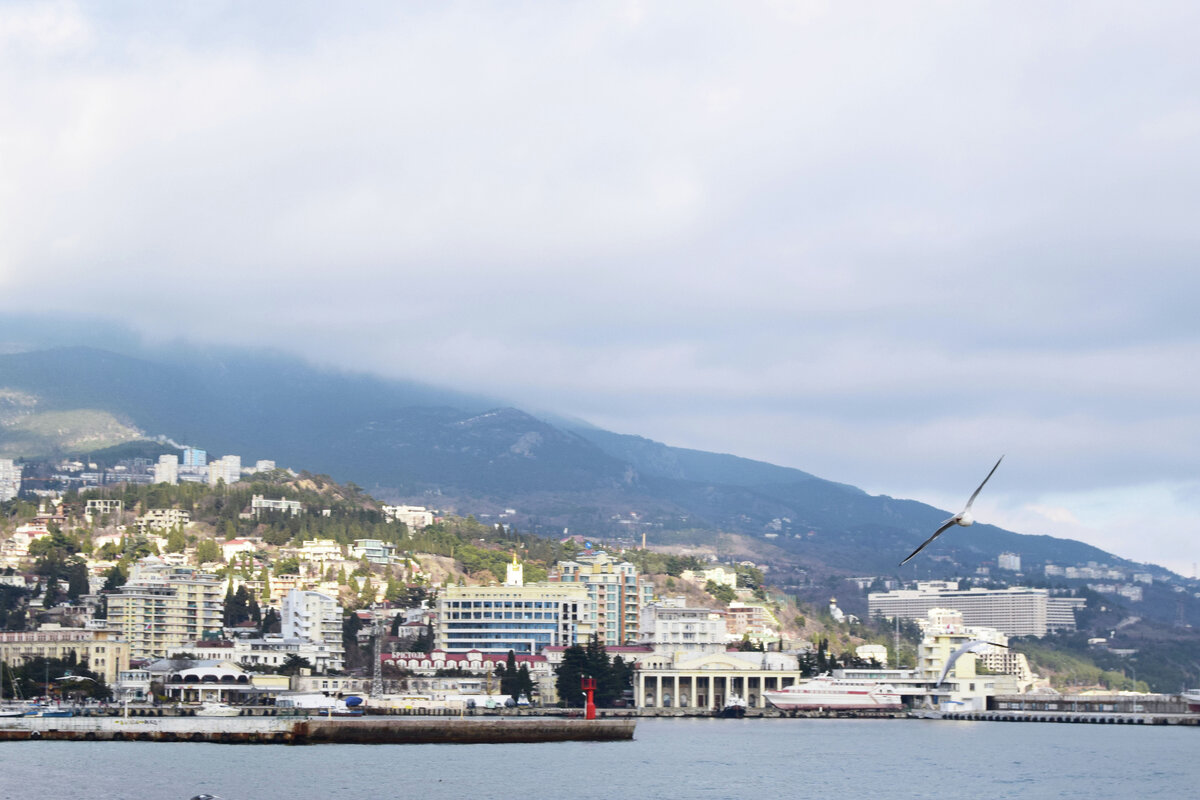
{"points": [[1078, 717], [316, 730]]}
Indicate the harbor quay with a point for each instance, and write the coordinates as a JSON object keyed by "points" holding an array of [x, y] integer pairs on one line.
{"points": [[316, 730]]}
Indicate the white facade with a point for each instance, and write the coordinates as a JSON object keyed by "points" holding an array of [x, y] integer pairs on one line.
{"points": [[876, 652], [415, 517], [231, 548], [226, 468], [259, 504], [163, 519], [1009, 561], [1017, 610], [313, 616], [525, 619], [274, 650], [10, 479], [514, 573], [167, 469], [670, 629], [718, 575], [320, 552]]}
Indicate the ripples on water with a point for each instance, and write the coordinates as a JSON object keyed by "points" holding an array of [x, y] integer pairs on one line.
{"points": [[668, 760]]}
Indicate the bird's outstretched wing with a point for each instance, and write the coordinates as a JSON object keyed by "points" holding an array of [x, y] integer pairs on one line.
{"points": [[985, 480], [945, 526], [973, 646]]}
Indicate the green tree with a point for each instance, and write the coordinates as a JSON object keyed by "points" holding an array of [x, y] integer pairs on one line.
{"points": [[56, 546], [237, 607], [114, 579], [723, 593], [271, 622], [207, 550], [424, 641], [293, 664], [508, 675], [524, 684], [77, 578], [53, 593], [366, 594], [287, 566], [569, 675], [108, 552], [176, 540]]}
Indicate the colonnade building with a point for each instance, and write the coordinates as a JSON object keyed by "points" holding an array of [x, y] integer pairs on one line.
{"points": [[1015, 611], [705, 681]]}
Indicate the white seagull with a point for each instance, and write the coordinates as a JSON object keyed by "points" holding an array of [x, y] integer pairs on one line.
{"points": [[973, 646], [963, 518]]}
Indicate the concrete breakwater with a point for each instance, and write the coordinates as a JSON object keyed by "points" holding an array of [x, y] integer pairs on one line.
{"points": [[315, 730], [1086, 717]]}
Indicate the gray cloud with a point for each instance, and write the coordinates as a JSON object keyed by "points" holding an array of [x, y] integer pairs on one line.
{"points": [[883, 244]]}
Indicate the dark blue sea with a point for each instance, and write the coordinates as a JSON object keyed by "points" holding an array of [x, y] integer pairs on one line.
{"points": [[668, 760]]}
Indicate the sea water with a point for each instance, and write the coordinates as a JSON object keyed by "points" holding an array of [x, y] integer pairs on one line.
{"points": [[685, 759]]}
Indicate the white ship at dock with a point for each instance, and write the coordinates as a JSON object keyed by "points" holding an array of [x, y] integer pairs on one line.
{"points": [[827, 692]]}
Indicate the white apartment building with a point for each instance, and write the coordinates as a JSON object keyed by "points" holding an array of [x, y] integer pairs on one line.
{"points": [[1016, 611], [669, 628], [225, 468], [945, 632], [273, 650], [415, 517], [1009, 561], [161, 608], [313, 616], [163, 519], [320, 552], [754, 619], [167, 469], [233, 547], [10, 479], [718, 575], [100, 506], [16, 547], [259, 504]]}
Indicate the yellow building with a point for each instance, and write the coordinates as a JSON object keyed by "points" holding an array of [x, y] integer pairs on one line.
{"points": [[104, 652], [163, 608], [616, 594]]}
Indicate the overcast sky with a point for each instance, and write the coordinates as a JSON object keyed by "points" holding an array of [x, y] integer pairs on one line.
{"points": [[883, 243]]}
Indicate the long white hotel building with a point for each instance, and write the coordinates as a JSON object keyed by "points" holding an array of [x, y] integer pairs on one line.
{"points": [[1016, 611]]}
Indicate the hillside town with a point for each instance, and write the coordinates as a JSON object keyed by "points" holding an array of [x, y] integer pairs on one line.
{"points": [[188, 579]]}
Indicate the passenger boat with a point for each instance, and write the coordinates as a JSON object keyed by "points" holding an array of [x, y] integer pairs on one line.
{"points": [[213, 709], [735, 707], [50, 711], [827, 692]]}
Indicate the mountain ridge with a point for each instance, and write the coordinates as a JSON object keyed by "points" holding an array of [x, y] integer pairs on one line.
{"points": [[413, 442]]}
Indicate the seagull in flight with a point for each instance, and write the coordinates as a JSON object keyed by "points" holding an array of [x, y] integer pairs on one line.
{"points": [[963, 518], [973, 646]]}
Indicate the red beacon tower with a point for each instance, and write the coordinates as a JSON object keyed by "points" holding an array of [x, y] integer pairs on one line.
{"points": [[589, 687]]}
